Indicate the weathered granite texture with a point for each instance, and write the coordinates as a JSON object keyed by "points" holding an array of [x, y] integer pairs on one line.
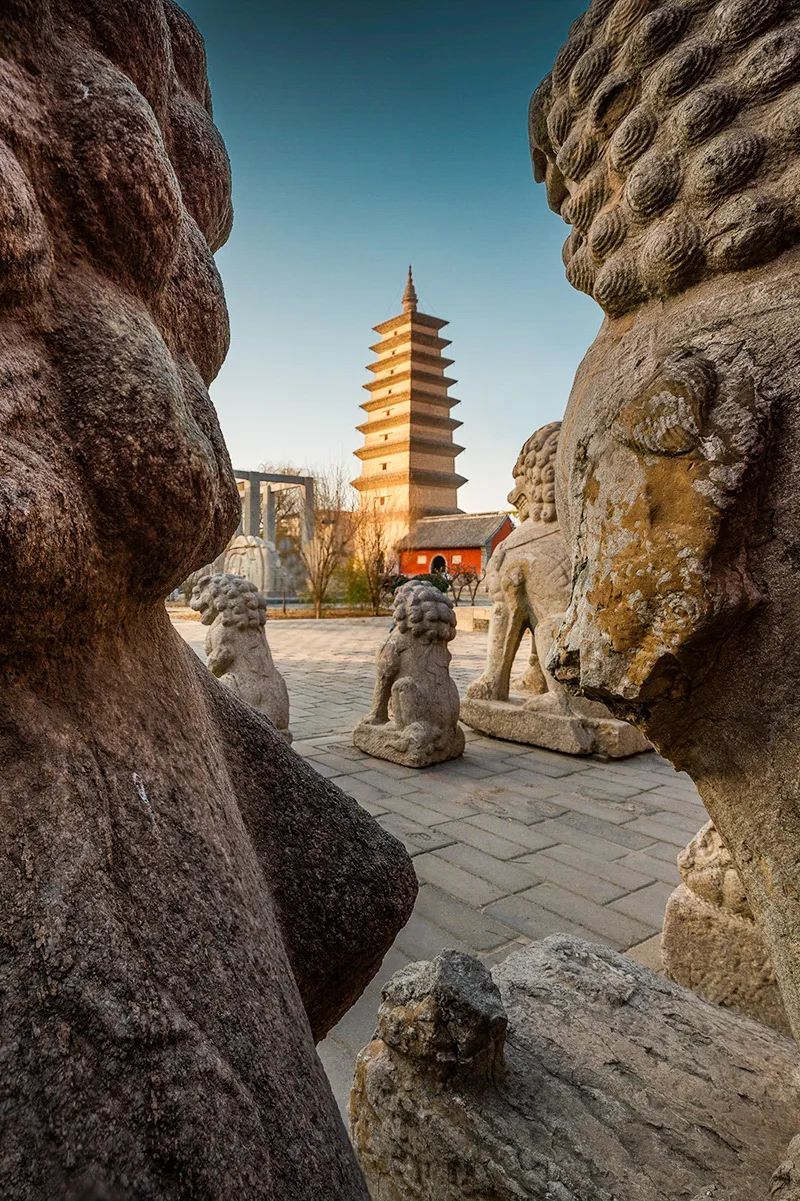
{"points": [[667, 138], [786, 1181], [569, 1074], [528, 579], [185, 904], [711, 943], [414, 717], [237, 651]]}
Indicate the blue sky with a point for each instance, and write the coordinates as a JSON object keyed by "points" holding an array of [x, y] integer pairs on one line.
{"points": [[364, 137]]}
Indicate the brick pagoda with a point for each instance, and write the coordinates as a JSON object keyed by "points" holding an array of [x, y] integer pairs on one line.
{"points": [[408, 456]]}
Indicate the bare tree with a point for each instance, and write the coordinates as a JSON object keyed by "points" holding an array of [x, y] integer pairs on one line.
{"points": [[468, 581], [374, 557], [333, 532]]}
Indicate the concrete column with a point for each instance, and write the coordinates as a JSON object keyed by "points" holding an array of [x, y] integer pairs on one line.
{"points": [[268, 514], [252, 507], [308, 511]]}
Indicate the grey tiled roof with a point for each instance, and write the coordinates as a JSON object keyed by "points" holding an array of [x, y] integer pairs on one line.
{"points": [[455, 530]]}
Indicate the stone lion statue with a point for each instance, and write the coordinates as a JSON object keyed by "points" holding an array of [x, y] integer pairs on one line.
{"points": [[186, 905], [237, 650], [666, 136], [528, 579], [414, 717]]}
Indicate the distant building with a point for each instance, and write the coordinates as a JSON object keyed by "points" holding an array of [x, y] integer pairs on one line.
{"points": [[408, 457], [457, 542]]}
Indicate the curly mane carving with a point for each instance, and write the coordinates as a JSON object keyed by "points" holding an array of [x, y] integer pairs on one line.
{"points": [[666, 133], [534, 476], [231, 598], [421, 610], [114, 192]]}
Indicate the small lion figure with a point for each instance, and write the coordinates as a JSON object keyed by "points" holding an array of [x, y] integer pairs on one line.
{"points": [[414, 717], [236, 646]]}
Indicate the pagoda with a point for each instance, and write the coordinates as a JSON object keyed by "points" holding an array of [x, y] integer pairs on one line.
{"points": [[408, 456]]}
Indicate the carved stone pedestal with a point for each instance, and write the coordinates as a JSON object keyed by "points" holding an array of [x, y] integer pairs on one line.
{"points": [[520, 719], [391, 742], [570, 1073]]}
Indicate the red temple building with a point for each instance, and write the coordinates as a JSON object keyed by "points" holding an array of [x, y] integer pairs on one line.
{"points": [[451, 544]]}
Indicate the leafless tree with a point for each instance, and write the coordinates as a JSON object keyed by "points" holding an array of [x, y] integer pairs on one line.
{"points": [[374, 557], [333, 534], [468, 581]]}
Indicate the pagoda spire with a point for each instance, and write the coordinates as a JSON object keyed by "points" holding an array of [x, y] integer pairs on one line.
{"points": [[410, 294]]}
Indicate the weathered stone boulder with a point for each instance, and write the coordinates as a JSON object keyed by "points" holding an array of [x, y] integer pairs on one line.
{"points": [[528, 580], [611, 1084], [414, 716], [665, 135], [711, 942], [184, 904]]}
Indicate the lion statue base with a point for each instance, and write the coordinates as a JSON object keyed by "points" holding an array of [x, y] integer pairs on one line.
{"points": [[237, 651], [535, 722], [414, 717]]}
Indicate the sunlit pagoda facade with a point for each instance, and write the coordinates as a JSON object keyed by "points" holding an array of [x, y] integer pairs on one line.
{"points": [[408, 457]]}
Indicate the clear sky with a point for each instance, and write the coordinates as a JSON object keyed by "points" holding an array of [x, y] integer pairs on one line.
{"points": [[365, 136]]}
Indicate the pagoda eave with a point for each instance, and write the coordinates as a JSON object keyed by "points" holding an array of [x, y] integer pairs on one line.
{"points": [[425, 398], [429, 341], [413, 319], [410, 359], [429, 446], [403, 419], [431, 398], [430, 479], [425, 377]]}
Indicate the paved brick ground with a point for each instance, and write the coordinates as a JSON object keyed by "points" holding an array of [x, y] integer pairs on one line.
{"points": [[510, 843]]}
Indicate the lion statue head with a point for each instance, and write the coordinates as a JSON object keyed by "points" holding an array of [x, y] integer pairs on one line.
{"points": [[424, 612], [534, 491], [667, 137], [232, 598]]}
